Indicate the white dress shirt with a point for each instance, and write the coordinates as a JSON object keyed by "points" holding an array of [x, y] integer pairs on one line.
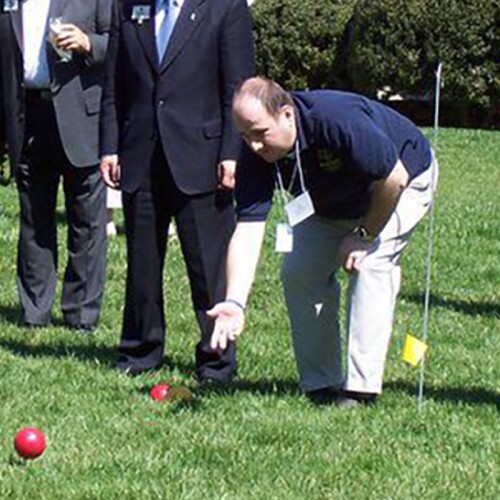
{"points": [[35, 19]]}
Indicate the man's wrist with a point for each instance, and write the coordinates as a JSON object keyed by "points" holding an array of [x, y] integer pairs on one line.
{"points": [[236, 303], [86, 45], [107, 155]]}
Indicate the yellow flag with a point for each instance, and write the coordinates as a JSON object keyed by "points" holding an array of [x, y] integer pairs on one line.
{"points": [[413, 350]]}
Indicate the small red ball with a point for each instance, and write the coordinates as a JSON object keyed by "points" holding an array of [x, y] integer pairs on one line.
{"points": [[29, 443], [160, 392]]}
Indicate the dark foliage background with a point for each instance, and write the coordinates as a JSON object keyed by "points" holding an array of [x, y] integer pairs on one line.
{"points": [[366, 45]]}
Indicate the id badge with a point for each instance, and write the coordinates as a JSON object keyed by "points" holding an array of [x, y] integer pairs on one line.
{"points": [[284, 238], [299, 209], [141, 13], [10, 5]]}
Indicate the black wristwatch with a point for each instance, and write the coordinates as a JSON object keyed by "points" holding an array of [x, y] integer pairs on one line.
{"points": [[362, 233]]}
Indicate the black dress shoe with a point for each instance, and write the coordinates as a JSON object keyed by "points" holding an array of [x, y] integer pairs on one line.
{"points": [[130, 370], [351, 399], [323, 396]]}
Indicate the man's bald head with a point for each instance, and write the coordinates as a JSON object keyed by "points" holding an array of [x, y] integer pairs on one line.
{"points": [[270, 94], [264, 115]]}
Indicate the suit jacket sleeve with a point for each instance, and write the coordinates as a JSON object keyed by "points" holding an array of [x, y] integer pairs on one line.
{"points": [[237, 64], [99, 39], [108, 127], [3, 137]]}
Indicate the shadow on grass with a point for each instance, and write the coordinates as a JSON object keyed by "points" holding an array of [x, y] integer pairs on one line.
{"points": [[60, 217], [5, 180], [107, 356], [467, 395], [262, 387], [11, 314], [461, 306], [84, 352], [59, 350]]}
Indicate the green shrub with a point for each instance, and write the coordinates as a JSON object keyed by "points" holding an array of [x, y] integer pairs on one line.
{"points": [[299, 42], [399, 43], [365, 45]]}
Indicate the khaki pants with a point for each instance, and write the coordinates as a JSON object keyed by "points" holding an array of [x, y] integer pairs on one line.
{"points": [[312, 294]]}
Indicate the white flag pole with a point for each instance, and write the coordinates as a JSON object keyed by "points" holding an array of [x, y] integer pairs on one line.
{"points": [[428, 263]]}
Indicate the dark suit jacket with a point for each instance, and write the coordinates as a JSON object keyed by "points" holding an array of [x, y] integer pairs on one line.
{"points": [[185, 100], [76, 86]]}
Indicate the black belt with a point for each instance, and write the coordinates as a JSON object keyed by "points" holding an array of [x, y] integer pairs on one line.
{"points": [[39, 94]]}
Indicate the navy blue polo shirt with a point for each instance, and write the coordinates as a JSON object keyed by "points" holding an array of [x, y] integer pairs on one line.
{"points": [[346, 142]]}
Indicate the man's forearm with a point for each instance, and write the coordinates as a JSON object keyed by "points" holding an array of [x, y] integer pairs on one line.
{"points": [[242, 259], [385, 197]]}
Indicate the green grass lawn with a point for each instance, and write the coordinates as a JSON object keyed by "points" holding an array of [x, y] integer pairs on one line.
{"points": [[262, 439]]}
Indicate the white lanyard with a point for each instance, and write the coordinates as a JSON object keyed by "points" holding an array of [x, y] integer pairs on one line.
{"points": [[297, 166], [296, 210]]}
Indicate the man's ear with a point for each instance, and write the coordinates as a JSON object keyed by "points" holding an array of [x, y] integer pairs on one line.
{"points": [[288, 112]]}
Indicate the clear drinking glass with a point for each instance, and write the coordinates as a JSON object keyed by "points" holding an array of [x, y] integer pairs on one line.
{"points": [[55, 26]]}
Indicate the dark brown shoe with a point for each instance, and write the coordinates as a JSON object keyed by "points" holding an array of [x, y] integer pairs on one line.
{"points": [[351, 399], [324, 396]]}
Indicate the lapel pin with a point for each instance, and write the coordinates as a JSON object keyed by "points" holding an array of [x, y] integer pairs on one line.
{"points": [[193, 16]]}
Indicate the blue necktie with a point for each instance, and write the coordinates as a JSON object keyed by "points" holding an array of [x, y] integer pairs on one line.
{"points": [[164, 26]]}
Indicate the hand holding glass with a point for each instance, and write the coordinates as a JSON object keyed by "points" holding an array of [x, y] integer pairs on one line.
{"points": [[56, 25]]}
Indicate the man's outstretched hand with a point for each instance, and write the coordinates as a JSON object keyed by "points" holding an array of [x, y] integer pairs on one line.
{"points": [[229, 323]]}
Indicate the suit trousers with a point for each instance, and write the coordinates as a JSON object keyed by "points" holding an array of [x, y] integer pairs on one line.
{"points": [[312, 294], [205, 224], [43, 163]]}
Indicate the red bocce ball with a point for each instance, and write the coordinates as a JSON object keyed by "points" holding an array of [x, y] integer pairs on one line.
{"points": [[159, 392], [29, 443]]}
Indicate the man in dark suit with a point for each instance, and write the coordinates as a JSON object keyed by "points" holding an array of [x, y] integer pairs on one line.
{"points": [[168, 141], [50, 91]]}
